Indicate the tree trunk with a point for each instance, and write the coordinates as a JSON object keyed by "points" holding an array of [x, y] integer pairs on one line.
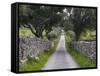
{"points": [[77, 33], [32, 30], [39, 28]]}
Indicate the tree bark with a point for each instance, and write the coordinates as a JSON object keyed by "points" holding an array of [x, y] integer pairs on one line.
{"points": [[31, 28]]}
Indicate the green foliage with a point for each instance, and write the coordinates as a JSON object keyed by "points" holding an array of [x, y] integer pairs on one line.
{"points": [[70, 34], [51, 36], [36, 65], [70, 37], [83, 18], [39, 17], [56, 31], [88, 35]]}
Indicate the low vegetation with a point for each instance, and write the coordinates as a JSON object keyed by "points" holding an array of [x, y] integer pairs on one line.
{"points": [[37, 64], [25, 32], [88, 35], [82, 60]]}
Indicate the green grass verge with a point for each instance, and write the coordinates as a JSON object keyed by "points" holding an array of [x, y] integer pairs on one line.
{"points": [[88, 35], [36, 65], [25, 32], [83, 61]]}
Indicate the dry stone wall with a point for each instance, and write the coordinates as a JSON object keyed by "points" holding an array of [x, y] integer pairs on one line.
{"points": [[88, 48], [32, 47]]}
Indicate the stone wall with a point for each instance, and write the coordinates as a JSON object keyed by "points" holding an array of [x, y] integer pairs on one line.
{"points": [[88, 48], [32, 47]]}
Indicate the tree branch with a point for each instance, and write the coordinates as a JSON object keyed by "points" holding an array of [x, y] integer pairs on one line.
{"points": [[32, 29]]}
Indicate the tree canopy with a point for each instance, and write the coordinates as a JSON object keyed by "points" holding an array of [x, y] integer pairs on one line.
{"points": [[80, 18], [40, 18]]}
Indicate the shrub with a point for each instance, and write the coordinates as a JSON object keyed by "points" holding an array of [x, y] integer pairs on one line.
{"points": [[51, 36]]}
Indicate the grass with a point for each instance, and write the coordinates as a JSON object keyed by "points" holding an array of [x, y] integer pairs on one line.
{"points": [[83, 61], [36, 65], [88, 35], [25, 32]]}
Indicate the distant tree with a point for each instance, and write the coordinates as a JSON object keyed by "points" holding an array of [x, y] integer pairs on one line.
{"points": [[66, 23]]}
